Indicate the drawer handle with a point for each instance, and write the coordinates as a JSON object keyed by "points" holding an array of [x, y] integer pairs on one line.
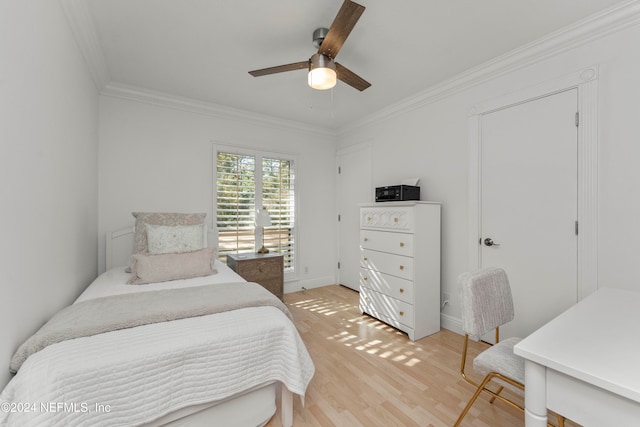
{"points": [[402, 267], [366, 239], [368, 218], [401, 290], [395, 219], [365, 258], [260, 270], [401, 245], [402, 313], [365, 278]]}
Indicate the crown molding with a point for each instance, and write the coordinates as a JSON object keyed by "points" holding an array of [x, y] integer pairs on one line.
{"points": [[597, 26], [134, 93], [592, 28], [86, 36]]}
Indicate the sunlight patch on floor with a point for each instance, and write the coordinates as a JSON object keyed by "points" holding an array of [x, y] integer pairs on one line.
{"points": [[400, 353], [322, 306]]}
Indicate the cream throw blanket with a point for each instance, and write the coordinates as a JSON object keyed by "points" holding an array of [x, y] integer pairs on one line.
{"points": [[116, 312]]}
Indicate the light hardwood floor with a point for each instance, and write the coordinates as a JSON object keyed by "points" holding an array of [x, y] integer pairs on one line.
{"points": [[370, 374]]}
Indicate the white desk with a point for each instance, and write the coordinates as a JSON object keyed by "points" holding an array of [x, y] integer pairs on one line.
{"points": [[584, 363]]}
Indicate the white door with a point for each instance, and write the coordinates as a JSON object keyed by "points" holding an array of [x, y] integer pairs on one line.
{"points": [[528, 205], [354, 187]]}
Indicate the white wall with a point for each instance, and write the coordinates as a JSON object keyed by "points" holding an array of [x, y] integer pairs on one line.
{"points": [[430, 142], [155, 158], [48, 170]]}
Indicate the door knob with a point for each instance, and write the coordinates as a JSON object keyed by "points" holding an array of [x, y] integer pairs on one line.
{"points": [[489, 242]]}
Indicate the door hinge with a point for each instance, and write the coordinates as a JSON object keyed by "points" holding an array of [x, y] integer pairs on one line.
{"points": [[576, 227], [577, 118], [339, 170], [339, 217], [338, 265]]}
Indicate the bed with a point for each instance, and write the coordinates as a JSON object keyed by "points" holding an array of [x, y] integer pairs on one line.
{"points": [[229, 368]]}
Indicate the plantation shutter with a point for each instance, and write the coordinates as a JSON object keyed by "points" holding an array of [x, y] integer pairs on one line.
{"points": [[278, 198], [235, 210], [249, 181]]}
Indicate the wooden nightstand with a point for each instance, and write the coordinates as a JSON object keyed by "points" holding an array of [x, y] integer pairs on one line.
{"points": [[265, 269]]}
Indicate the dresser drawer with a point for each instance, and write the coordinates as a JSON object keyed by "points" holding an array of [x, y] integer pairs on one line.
{"points": [[395, 265], [397, 243], [395, 287], [398, 218], [386, 308]]}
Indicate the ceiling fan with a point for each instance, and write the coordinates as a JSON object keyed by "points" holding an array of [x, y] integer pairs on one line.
{"points": [[323, 70]]}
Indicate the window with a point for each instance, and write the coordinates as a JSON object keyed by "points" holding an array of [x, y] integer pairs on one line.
{"points": [[250, 180]]}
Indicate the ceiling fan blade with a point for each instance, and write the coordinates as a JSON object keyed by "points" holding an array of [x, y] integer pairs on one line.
{"points": [[351, 78], [280, 69], [341, 27]]}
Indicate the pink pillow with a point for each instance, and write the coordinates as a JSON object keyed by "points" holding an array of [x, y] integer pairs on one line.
{"points": [[164, 267]]}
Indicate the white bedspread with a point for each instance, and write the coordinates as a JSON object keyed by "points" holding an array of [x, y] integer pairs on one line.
{"points": [[137, 375], [114, 282]]}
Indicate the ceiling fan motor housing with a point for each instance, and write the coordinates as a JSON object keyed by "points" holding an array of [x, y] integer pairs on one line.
{"points": [[318, 36]]}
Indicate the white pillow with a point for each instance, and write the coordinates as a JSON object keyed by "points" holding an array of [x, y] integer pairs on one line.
{"points": [[165, 239], [160, 218]]}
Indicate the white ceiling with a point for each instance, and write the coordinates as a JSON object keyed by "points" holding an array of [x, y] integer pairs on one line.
{"points": [[203, 49]]}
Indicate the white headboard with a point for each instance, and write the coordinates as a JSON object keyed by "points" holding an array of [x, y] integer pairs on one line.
{"points": [[119, 245]]}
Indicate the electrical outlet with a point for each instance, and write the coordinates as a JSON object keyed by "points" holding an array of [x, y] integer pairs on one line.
{"points": [[444, 299]]}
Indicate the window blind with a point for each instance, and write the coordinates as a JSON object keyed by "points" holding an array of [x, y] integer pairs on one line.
{"points": [[244, 183], [278, 196]]}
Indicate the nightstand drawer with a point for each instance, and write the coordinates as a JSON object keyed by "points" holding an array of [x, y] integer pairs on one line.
{"points": [[260, 269], [267, 270]]}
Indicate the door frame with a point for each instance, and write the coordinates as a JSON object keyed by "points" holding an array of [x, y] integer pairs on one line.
{"points": [[586, 83], [366, 147]]}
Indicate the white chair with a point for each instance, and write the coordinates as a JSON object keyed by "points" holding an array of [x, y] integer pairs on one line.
{"points": [[487, 304]]}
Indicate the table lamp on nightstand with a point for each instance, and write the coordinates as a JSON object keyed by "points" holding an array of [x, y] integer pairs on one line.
{"points": [[263, 219]]}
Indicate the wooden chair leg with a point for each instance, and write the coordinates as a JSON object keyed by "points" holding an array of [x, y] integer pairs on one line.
{"points": [[560, 420]]}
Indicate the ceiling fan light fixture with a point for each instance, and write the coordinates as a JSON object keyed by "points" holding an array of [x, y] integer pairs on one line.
{"points": [[322, 72]]}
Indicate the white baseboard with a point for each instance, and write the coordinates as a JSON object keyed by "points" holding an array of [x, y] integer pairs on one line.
{"points": [[300, 285], [451, 323]]}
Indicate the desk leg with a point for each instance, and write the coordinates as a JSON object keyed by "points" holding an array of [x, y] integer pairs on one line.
{"points": [[535, 395]]}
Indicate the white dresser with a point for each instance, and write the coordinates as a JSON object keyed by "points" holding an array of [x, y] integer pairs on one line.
{"points": [[400, 265]]}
